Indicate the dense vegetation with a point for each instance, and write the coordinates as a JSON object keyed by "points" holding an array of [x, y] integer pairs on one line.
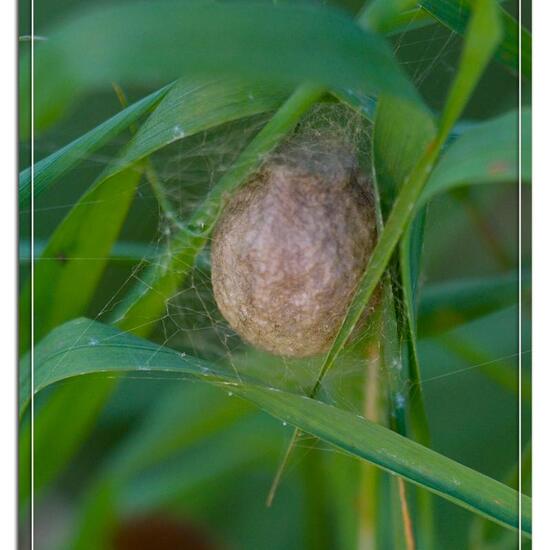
{"points": [[149, 411]]}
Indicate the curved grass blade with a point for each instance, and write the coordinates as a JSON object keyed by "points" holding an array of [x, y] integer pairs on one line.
{"points": [[397, 455], [485, 153], [150, 44], [84, 347], [49, 169]]}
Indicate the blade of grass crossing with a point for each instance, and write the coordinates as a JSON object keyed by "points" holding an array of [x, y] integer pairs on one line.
{"points": [[50, 169], [64, 354]]}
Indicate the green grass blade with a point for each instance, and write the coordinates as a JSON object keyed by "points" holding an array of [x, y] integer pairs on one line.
{"points": [[150, 44], [482, 38], [123, 251], [486, 153], [85, 347], [49, 169], [398, 455], [402, 131], [64, 286]]}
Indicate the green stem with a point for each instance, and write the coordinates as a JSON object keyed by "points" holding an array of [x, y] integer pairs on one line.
{"points": [[149, 169], [370, 476]]}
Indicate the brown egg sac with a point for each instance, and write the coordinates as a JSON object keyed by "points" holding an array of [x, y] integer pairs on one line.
{"points": [[290, 248]]}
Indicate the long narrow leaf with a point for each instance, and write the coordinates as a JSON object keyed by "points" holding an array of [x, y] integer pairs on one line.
{"points": [[85, 347], [486, 153], [292, 44], [48, 170]]}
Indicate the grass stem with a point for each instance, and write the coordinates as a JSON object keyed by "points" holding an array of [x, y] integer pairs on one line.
{"points": [[405, 512]]}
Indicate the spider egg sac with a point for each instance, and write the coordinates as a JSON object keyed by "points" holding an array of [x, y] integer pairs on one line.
{"points": [[290, 248]]}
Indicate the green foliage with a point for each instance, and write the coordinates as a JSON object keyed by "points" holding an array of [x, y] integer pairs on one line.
{"points": [[74, 253], [197, 38], [86, 347], [487, 153], [455, 15], [478, 50], [54, 166], [184, 446]]}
